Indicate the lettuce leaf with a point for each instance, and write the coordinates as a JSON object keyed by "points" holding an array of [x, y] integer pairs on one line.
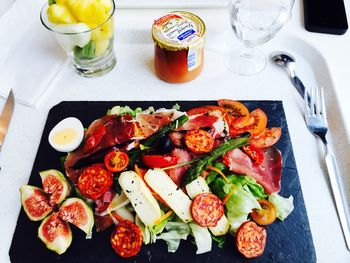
{"points": [[240, 203], [256, 189], [148, 235], [284, 206], [159, 228], [175, 232], [122, 110], [202, 238]]}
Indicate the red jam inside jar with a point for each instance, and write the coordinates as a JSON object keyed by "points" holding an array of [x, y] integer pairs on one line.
{"points": [[179, 46]]}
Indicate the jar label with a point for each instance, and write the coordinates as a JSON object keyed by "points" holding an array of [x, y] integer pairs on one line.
{"points": [[194, 55], [177, 29]]}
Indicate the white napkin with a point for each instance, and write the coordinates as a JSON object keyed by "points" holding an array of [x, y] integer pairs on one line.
{"points": [[30, 58]]}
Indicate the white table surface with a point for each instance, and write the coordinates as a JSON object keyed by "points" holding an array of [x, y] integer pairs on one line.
{"points": [[18, 152]]}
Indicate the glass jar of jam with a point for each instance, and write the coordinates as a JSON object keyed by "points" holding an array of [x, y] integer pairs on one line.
{"points": [[178, 46]]}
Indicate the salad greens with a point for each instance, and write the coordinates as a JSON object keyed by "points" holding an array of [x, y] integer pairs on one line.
{"points": [[202, 238], [284, 206], [122, 110], [212, 174], [176, 231]]}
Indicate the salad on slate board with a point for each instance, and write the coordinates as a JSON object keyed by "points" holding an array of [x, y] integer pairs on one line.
{"points": [[163, 175]]}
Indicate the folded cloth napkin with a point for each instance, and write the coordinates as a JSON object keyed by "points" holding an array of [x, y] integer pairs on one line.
{"points": [[30, 58]]}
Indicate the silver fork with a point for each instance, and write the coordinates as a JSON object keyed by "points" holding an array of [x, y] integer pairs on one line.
{"points": [[316, 121]]}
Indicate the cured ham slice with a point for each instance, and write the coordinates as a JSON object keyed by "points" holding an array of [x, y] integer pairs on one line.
{"points": [[103, 133], [268, 174], [176, 173], [212, 119], [152, 122]]}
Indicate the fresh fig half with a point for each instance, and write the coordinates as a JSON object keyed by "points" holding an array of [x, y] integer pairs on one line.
{"points": [[55, 185], [35, 202], [55, 233], [77, 212]]}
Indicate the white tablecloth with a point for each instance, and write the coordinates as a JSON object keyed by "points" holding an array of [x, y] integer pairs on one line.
{"points": [[18, 153]]}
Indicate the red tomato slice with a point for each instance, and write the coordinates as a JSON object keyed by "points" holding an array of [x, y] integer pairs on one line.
{"points": [[267, 138], [126, 239], [199, 141], [238, 111], [116, 161], [159, 161], [94, 181], [256, 154], [251, 239], [260, 122]]}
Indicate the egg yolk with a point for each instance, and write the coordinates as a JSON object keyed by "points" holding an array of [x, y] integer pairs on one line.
{"points": [[65, 136]]}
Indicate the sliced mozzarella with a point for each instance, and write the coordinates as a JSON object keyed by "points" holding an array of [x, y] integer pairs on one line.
{"points": [[145, 205], [221, 228], [178, 201], [199, 186]]}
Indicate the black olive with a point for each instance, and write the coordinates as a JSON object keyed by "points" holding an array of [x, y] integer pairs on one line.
{"points": [[164, 144]]}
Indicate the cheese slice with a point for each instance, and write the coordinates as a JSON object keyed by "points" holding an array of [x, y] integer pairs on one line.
{"points": [[177, 200], [141, 198]]}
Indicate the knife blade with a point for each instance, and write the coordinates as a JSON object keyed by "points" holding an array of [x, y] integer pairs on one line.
{"points": [[5, 117]]}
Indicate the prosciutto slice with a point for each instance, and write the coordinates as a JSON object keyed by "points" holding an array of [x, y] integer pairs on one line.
{"points": [[213, 119], [268, 174], [176, 173], [150, 123], [109, 131]]}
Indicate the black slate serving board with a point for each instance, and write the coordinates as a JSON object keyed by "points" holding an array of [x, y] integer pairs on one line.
{"points": [[287, 241]]}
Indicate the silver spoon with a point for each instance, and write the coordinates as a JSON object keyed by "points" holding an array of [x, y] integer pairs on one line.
{"points": [[287, 62]]}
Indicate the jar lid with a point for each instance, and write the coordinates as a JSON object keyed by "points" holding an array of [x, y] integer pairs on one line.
{"points": [[178, 30]]}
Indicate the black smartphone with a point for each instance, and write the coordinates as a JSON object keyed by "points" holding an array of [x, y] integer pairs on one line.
{"points": [[325, 16]]}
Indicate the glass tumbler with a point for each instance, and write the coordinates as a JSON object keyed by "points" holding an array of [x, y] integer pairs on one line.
{"points": [[88, 46]]}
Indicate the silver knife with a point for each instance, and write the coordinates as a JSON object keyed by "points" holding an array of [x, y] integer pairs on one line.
{"points": [[5, 117]]}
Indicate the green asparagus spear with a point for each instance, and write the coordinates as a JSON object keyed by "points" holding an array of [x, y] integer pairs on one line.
{"points": [[195, 170]]}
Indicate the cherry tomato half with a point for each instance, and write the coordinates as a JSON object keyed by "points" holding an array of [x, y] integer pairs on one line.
{"points": [[266, 215], [159, 161], [199, 141], [256, 154], [94, 181], [116, 161], [268, 138]]}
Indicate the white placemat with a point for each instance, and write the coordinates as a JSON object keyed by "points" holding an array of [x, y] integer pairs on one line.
{"points": [[30, 58]]}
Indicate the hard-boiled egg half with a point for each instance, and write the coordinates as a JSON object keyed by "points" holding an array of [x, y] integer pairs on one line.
{"points": [[67, 135]]}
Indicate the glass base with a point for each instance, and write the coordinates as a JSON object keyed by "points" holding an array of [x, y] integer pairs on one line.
{"points": [[246, 62], [96, 68]]}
